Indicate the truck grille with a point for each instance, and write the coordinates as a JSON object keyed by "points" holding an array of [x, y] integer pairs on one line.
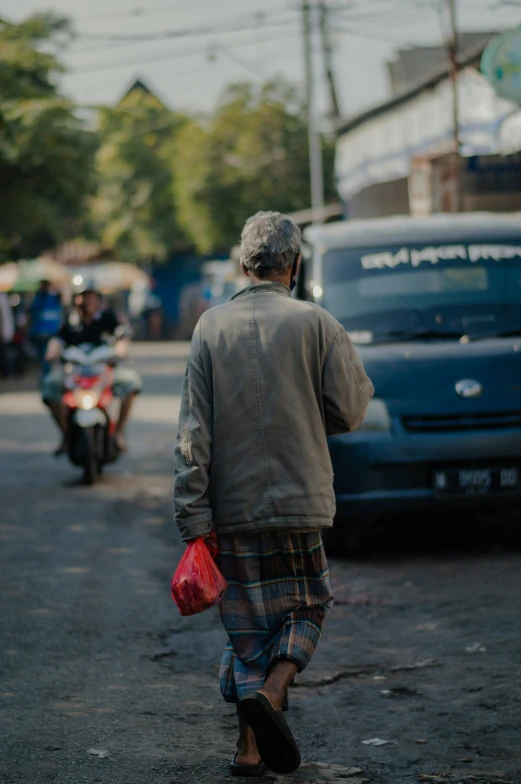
{"points": [[453, 422]]}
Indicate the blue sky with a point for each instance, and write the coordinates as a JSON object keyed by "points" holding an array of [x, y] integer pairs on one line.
{"points": [[190, 72]]}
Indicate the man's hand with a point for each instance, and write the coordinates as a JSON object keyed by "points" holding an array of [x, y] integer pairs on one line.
{"points": [[210, 541], [54, 350], [122, 348], [206, 538]]}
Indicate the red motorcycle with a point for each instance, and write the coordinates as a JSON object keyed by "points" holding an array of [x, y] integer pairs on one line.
{"points": [[91, 406]]}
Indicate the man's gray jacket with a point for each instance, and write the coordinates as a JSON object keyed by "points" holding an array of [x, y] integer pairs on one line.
{"points": [[268, 378]]}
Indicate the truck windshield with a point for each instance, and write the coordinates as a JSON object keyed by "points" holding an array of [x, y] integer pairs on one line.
{"points": [[399, 293]]}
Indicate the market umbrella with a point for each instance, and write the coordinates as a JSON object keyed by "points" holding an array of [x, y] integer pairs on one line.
{"points": [[117, 276], [30, 273], [8, 275]]}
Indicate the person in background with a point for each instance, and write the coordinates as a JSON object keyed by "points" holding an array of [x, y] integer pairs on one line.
{"points": [[46, 317], [23, 349], [93, 327], [72, 316], [7, 330], [269, 377]]}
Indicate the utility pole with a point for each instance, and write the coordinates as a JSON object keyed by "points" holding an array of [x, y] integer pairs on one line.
{"points": [[328, 61], [453, 57], [315, 150]]}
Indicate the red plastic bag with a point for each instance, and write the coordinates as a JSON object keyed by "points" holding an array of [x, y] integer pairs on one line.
{"points": [[197, 583]]}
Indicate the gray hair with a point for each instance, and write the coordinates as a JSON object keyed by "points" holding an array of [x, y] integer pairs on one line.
{"points": [[270, 242]]}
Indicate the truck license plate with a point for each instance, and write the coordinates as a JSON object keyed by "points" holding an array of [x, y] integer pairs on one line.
{"points": [[477, 481]]}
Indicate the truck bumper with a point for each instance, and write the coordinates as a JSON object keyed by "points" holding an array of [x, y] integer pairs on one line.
{"points": [[392, 473]]}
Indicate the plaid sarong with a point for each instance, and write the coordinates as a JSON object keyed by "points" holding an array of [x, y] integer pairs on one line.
{"points": [[278, 594]]}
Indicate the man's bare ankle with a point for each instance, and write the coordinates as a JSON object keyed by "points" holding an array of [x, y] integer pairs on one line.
{"points": [[247, 753], [247, 758], [276, 698]]}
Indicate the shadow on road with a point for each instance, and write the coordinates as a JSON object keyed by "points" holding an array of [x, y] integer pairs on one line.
{"points": [[436, 534], [103, 681]]}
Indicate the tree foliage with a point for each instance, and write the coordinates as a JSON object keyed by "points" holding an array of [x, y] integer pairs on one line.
{"points": [[148, 181], [133, 211], [45, 152], [252, 154]]}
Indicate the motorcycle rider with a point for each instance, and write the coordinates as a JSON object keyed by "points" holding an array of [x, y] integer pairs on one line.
{"points": [[94, 327]]}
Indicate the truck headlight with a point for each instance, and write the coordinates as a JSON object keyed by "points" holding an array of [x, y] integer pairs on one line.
{"points": [[377, 416], [86, 398]]}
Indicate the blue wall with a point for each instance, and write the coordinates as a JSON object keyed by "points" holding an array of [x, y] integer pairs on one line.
{"points": [[170, 278]]}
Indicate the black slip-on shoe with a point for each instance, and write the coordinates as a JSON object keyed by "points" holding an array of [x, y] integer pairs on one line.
{"points": [[276, 744], [236, 769]]}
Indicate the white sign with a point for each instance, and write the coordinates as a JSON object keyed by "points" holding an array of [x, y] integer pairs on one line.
{"points": [[433, 254]]}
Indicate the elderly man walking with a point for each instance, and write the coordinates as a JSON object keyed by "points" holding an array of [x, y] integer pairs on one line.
{"points": [[268, 379]]}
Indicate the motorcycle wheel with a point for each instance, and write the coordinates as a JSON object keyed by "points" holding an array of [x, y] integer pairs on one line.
{"points": [[89, 449]]}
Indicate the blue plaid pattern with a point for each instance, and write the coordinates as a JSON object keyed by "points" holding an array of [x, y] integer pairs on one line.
{"points": [[277, 597]]}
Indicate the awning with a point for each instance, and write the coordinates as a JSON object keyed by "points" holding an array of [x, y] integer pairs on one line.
{"points": [[30, 273], [110, 276], [8, 275]]}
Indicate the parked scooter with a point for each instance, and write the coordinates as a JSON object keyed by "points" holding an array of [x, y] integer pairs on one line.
{"points": [[91, 407]]}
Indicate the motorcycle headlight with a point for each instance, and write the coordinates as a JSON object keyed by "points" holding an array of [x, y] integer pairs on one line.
{"points": [[377, 416], [86, 398]]}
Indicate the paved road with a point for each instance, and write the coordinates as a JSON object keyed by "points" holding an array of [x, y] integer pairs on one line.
{"points": [[102, 681]]}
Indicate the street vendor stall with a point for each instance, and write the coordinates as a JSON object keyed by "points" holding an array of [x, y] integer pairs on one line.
{"points": [[30, 273], [9, 274]]}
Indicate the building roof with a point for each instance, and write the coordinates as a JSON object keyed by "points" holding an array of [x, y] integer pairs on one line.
{"points": [[417, 63], [140, 87], [405, 230], [380, 144], [466, 59]]}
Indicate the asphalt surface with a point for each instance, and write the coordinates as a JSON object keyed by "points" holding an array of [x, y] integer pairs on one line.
{"points": [[102, 680]]}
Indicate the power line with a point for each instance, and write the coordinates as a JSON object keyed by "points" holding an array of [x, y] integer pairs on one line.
{"points": [[248, 65], [177, 55], [136, 13], [377, 7], [381, 13], [387, 17], [219, 50], [223, 28], [358, 33], [183, 74], [103, 43], [97, 46], [139, 12], [247, 22], [227, 27]]}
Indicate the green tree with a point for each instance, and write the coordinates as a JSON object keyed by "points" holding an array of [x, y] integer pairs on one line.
{"points": [[45, 152], [133, 210], [251, 155]]}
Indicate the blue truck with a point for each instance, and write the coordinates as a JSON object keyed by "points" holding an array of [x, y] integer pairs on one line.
{"points": [[434, 307]]}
